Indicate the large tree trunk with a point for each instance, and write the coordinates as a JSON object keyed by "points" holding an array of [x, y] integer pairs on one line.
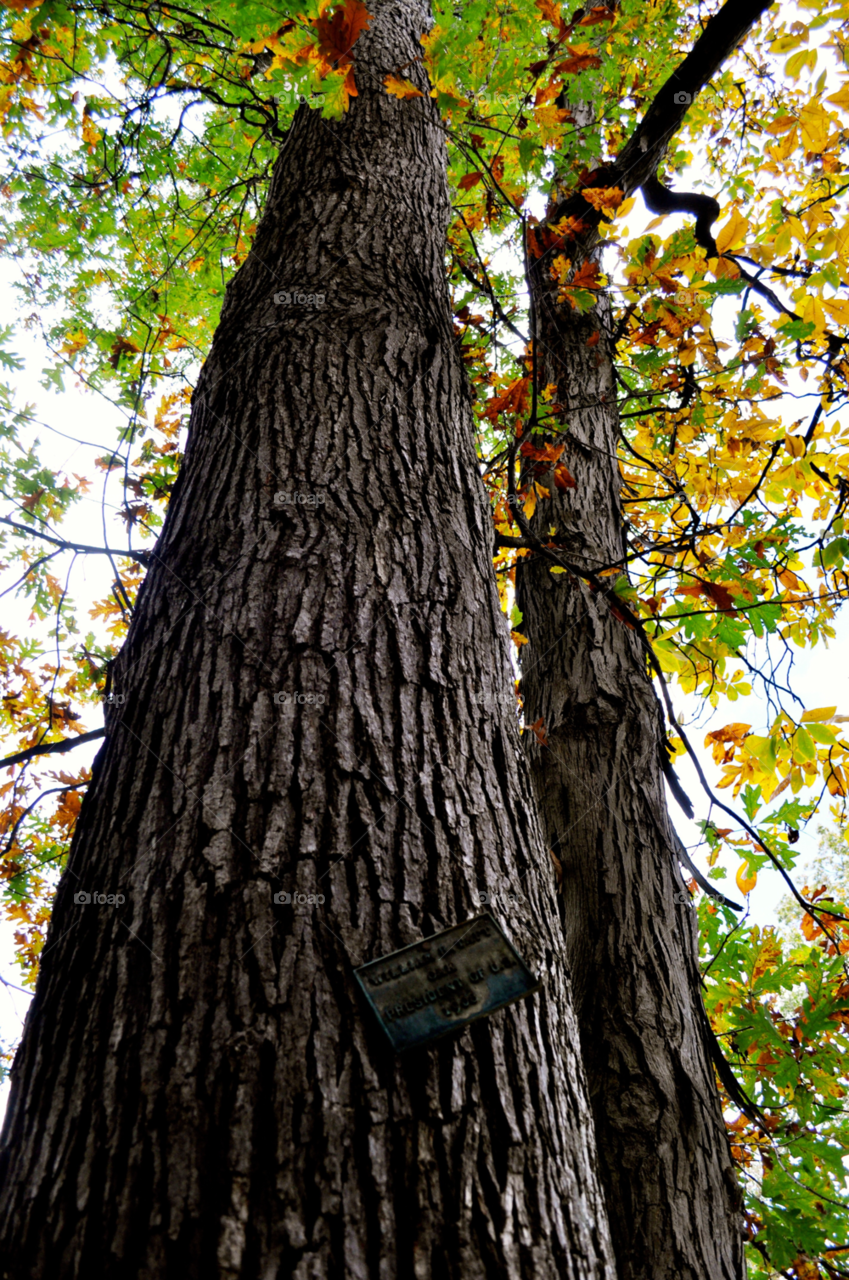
{"points": [[673, 1203], [199, 1091]]}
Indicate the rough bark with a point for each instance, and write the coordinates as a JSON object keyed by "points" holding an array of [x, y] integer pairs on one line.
{"points": [[199, 1091]]}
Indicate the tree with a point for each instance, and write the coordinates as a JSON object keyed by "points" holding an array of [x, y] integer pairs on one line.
{"points": [[711, 552], [671, 1191], [197, 1088]]}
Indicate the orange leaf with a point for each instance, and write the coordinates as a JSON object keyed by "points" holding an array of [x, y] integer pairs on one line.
{"points": [[599, 13], [731, 733], [603, 197], [121, 347], [563, 478], [810, 928], [551, 13], [513, 400], [338, 35], [538, 729], [548, 453], [401, 89], [586, 277], [721, 596], [582, 57]]}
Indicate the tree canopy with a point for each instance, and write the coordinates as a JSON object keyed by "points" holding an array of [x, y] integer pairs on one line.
{"points": [[138, 140]]}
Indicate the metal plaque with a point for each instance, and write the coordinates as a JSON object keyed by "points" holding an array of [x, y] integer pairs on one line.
{"points": [[436, 986]]}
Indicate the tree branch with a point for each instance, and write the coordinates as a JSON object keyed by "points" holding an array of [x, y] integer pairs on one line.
{"points": [[642, 154], [143, 557], [52, 748]]}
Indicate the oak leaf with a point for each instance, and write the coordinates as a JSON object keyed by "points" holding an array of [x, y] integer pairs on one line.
{"points": [[401, 89]]}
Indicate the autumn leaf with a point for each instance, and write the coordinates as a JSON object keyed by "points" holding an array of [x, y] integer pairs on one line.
{"points": [[586, 277], [745, 882], [604, 199], [119, 348], [581, 58], [544, 453], [404, 90], [563, 478], [551, 12], [338, 33], [538, 730], [513, 400], [721, 597], [732, 234], [599, 13]]}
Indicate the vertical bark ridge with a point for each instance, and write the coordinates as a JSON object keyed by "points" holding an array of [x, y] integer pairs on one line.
{"points": [[199, 1091]]}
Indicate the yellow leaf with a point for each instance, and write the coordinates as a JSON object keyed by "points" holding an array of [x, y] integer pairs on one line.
{"points": [[74, 343], [768, 955], [812, 312], [795, 446], [401, 89], [763, 749], [530, 504], [841, 98], [745, 882], [815, 127], [838, 309], [804, 58], [785, 44], [781, 151], [819, 713], [733, 233], [519, 639], [781, 125]]}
